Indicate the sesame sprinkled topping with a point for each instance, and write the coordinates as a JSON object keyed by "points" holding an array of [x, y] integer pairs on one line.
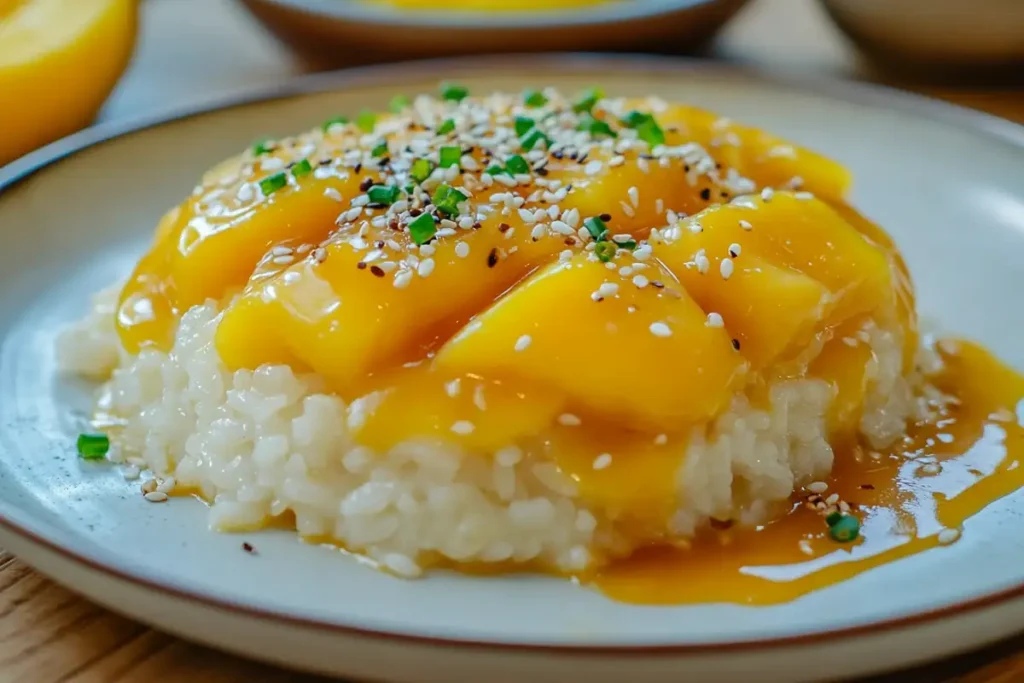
{"points": [[461, 249], [463, 427], [569, 420], [607, 289], [602, 461], [660, 329], [767, 194], [746, 225], [726, 268], [640, 281], [523, 342], [715, 320], [948, 536], [734, 250]]}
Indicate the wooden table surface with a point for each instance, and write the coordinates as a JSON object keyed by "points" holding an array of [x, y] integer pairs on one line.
{"points": [[48, 634]]}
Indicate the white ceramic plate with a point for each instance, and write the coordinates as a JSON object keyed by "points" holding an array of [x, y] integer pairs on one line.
{"points": [[947, 183]]}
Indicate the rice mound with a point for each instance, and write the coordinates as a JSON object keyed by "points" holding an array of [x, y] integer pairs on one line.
{"points": [[258, 444]]}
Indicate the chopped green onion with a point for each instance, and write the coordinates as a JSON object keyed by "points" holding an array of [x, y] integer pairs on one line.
{"points": [[422, 229], [605, 251], [302, 168], [523, 125], [833, 518], [454, 92], [587, 100], [596, 227], [628, 244], [449, 156], [634, 118], [383, 194], [517, 164], [447, 199], [421, 170], [845, 529], [409, 188], [534, 98], [264, 146], [398, 103], [335, 121], [366, 121], [447, 126], [497, 170], [273, 183], [651, 133], [380, 150], [596, 127], [532, 138], [93, 446]]}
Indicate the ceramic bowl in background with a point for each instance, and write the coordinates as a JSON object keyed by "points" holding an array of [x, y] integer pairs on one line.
{"points": [[329, 33]]}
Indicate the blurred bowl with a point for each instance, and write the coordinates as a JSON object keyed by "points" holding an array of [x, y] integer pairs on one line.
{"points": [[935, 35], [330, 33]]}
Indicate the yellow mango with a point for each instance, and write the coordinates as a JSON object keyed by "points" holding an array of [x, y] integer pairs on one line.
{"points": [[843, 364], [641, 356]]}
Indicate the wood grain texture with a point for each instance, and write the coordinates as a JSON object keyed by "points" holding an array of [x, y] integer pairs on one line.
{"points": [[49, 635]]}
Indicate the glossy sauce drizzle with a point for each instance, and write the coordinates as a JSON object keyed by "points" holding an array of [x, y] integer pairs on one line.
{"points": [[945, 471]]}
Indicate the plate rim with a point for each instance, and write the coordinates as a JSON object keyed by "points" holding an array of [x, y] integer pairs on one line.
{"points": [[108, 563]]}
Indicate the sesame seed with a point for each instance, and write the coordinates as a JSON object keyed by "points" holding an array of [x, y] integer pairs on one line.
{"points": [[523, 342], [156, 497], [660, 329], [478, 397], [767, 194], [640, 281], [948, 536], [425, 268], [562, 228], [602, 461], [817, 487], [402, 279], [616, 160], [734, 250], [661, 439], [607, 289], [463, 427], [715, 320], [726, 268], [461, 249], [832, 499], [332, 193], [569, 420], [634, 196], [746, 225], [452, 388], [593, 167], [803, 196]]}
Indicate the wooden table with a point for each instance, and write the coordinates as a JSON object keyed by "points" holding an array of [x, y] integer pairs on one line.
{"points": [[48, 634]]}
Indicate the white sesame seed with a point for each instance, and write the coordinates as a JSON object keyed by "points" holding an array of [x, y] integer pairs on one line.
{"points": [[634, 196], [948, 536], [660, 329], [593, 167], [156, 497], [463, 427], [661, 439], [746, 225], [166, 485], [283, 260], [627, 209], [508, 456], [715, 320], [332, 193], [569, 420], [131, 473], [527, 216], [616, 160], [817, 487], [426, 267], [461, 249], [640, 281], [734, 250], [523, 342], [608, 289], [803, 196], [403, 278], [452, 388], [805, 547], [478, 397], [726, 268], [246, 193], [832, 499], [562, 228], [602, 461], [565, 255], [767, 194]]}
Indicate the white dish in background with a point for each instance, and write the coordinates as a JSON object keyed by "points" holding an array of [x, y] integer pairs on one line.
{"points": [[948, 185]]}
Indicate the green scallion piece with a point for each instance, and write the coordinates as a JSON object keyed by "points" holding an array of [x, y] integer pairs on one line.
{"points": [[366, 121], [450, 156], [587, 100], [446, 198], [447, 126], [422, 229], [845, 529], [530, 140], [264, 146], [605, 251], [596, 127], [596, 227], [534, 98], [273, 183], [93, 446], [628, 244], [380, 150], [833, 518], [454, 92], [398, 103], [383, 194], [517, 164], [421, 170], [302, 168], [634, 118], [523, 125], [335, 121], [651, 133], [496, 170]]}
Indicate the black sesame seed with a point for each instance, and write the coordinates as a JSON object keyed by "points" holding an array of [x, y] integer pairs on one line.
{"points": [[358, 169], [247, 547], [492, 258], [867, 487], [657, 284], [605, 217], [724, 194], [736, 344], [361, 265], [705, 194], [504, 227], [571, 241], [415, 212], [366, 184], [377, 270]]}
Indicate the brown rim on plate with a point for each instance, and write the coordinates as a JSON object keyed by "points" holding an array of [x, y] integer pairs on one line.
{"points": [[17, 524]]}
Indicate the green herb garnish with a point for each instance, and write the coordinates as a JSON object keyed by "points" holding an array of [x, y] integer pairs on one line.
{"points": [[845, 529], [523, 125], [634, 118], [335, 121], [264, 146], [596, 127], [447, 126], [587, 100], [454, 92], [421, 170], [628, 244], [366, 121], [496, 170], [605, 251], [422, 229], [534, 98], [446, 198], [273, 183], [302, 168], [449, 156], [647, 129], [383, 194], [398, 103], [530, 140], [833, 518], [517, 164], [93, 446], [596, 227], [380, 150]]}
